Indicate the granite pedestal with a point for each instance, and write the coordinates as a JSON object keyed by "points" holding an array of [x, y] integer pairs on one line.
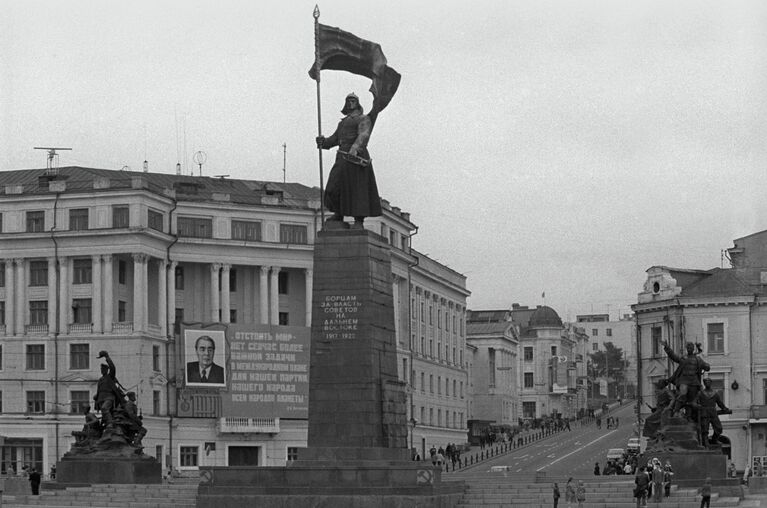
{"points": [[357, 455], [85, 470]]}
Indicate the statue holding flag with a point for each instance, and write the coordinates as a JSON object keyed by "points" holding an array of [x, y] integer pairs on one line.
{"points": [[351, 189]]}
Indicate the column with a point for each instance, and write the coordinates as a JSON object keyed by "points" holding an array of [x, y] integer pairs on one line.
{"points": [[64, 304], [162, 290], [263, 296], [139, 292], [309, 274], [52, 300], [108, 293], [274, 296], [225, 270], [171, 312], [215, 268], [21, 295], [10, 298], [395, 298], [96, 288]]}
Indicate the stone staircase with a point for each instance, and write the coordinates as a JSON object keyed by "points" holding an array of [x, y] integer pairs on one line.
{"points": [[178, 495], [514, 491]]}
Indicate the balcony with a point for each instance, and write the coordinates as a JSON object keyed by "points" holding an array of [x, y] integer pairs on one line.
{"points": [[34, 329], [80, 327], [758, 412], [244, 425], [122, 327]]}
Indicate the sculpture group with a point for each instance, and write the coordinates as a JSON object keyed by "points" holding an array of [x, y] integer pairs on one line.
{"points": [[682, 392], [120, 427]]}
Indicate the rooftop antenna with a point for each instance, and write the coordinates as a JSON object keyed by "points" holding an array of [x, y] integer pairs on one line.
{"points": [[284, 159], [200, 157], [53, 159]]}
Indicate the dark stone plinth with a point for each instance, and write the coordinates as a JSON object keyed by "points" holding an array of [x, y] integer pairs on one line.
{"points": [[90, 470], [693, 466]]}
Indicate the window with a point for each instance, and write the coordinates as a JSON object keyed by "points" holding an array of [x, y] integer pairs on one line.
{"points": [[447, 387], [155, 402], [656, 336], [282, 282], [491, 367], [35, 221], [232, 315], [246, 230], [78, 219], [156, 358], [423, 382], [528, 352], [120, 217], [2, 275], [553, 350], [283, 317], [764, 391], [595, 332], [1, 402], [431, 416], [1, 357], [179, 276], [122, 272], [292, 453], [38, 312], [455, 393], [529, 380], [81, 308], [79, 401], [528, 410], [36, 401], [609, 332], [121, 312], [195, 227], [431, 383], [178, 318], [439, 385], [79, 356], [188, 456], [595, 346], [715, 337], [81, 271], [293, 233], [155, 220], [2, 315], [38, 273], [232, 280]]}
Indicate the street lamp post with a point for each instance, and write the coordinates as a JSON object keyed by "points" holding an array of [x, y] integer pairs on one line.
{"points": [[413, 423]]}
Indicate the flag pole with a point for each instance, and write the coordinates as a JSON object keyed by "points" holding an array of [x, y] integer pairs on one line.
{"points": [[316, 15]]}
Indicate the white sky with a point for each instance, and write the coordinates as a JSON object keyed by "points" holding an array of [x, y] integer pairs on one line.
{"points": [[557, 146]]}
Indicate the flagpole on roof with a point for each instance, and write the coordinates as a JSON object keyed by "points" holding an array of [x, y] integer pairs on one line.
{"points": [[317, 69]]}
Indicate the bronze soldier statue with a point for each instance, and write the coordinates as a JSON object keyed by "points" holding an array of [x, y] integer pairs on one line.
{"points": [[351, 189], [108, 393], [708, 400], [687, 375]]}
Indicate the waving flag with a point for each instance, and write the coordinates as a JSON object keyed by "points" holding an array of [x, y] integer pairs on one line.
{"points": [[343, 51]]}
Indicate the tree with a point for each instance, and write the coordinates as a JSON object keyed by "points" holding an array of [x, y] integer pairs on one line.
{"points": [[609, 363]]}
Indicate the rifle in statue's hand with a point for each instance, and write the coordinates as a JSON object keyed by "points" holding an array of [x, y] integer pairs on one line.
{"points": [[355, 159]]}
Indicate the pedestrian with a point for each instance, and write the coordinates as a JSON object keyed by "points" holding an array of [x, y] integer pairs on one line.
{"points": [[580, 493], [640, 487], [570, 492], [556, 495], [596, 469], [34, 482], [567, 425], [705, 492], [657, 481], [731, 471], [668, 475], [599, 422]]}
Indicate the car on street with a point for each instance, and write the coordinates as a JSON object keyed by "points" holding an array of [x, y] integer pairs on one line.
{"points": [[634, 445], [615, 453]]}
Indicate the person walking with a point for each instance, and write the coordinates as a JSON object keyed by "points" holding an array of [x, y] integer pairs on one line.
{"points": [[556, 495], [640, 489], [580, 493], [34, 482], [570, 492], [596, 469], [657, 481], [705, 492], [668, 475]]}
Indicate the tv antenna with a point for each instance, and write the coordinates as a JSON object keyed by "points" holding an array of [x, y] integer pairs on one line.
{"points": [[200, 157], [284, 160], [53, 158]]}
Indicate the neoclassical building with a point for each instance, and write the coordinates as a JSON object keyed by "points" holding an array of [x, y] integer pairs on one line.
{"points": [[96, 259]]}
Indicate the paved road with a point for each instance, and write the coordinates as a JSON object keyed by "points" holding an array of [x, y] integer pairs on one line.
{"points": [[569, 453]]}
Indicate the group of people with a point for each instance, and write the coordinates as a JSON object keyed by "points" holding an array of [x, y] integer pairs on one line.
{"points": [[451, 454], [653, 481], [573, 493]]}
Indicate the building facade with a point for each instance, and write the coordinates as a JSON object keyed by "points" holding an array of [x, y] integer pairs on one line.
{"points": [[123, 262], [723, 310], [600, 329]]}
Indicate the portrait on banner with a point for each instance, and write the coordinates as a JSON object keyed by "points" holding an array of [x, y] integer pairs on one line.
{"points": [[205, 358]]}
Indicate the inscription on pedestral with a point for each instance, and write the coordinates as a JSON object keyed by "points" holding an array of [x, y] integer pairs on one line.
{"points": [[340, 316]]}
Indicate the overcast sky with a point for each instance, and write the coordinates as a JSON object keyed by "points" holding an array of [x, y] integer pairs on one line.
{"points": [[557, 146]]}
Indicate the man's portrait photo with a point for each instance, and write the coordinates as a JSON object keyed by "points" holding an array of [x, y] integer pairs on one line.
{"points": [[205, 357]]}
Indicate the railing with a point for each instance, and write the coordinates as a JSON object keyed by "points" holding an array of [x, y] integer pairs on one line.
{"points": [[122, 327], [154, 329], [35, 329], [80, 328], [238, 425]]}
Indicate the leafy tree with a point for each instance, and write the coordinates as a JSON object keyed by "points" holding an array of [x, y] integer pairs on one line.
{"points": [[609, 363]]}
